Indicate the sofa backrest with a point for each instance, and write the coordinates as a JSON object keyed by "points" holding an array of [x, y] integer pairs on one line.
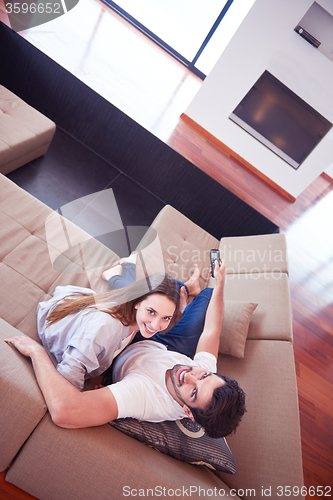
{"points": [[39, 251], [183, 244]]}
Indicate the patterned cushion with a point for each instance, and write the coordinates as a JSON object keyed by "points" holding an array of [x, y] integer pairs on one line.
{"points": [[182, 439]]}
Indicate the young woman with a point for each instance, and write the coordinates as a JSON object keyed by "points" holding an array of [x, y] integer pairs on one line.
{"points": [[85, 330]]}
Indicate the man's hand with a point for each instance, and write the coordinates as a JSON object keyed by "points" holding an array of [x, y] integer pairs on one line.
{"points": [[219, 272], [24, 344], [68, 406], [210, 337]]}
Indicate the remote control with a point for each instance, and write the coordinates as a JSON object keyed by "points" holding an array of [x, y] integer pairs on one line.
{"points": [[214, 255]]}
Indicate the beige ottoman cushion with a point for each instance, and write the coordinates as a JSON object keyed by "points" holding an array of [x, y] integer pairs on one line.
{"points": [[25, 132]]}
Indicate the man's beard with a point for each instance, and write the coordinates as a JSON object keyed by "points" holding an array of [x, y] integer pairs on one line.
{"points": [[174, 380]]}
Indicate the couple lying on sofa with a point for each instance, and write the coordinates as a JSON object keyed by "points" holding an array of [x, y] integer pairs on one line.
{"points": [[153, 381]]}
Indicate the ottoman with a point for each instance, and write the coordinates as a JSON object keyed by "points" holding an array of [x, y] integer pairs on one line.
{"points": [[25, 134]]}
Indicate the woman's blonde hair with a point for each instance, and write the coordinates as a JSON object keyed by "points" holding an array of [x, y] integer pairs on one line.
{"points": [[120, 304]]}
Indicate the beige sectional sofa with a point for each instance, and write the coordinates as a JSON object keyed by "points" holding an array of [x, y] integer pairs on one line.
{"points": [[52, 463]]}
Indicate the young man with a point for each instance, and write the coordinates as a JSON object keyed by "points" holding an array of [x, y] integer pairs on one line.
{"points": [[153, 382]]}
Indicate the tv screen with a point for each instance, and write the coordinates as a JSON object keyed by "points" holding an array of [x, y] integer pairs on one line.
{"points": [[280, 119]]}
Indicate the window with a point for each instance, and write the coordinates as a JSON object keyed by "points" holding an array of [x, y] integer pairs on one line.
{"points": [[192, 31]]}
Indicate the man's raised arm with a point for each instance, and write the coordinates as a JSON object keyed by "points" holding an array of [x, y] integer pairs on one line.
{"points": [[68, 406], [210, 337]]}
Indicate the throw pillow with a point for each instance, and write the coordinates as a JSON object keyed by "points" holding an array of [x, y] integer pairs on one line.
{"points": [[236, 320], [183, 439]]}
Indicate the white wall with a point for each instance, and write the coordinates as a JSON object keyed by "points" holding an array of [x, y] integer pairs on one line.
{"points": [[266, 41], [329, 170]]}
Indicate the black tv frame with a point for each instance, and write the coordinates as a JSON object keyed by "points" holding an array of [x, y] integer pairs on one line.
{"points": [[282, 121]]}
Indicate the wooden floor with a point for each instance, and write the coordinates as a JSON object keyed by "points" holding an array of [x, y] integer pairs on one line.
{"points": [[153, 89]]}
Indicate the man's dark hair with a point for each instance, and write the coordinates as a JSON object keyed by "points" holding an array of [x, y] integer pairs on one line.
{"points": [[224, 411]]}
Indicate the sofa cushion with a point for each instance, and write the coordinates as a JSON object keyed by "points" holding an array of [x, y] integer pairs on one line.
{"points": [[15, 285], [236, 320], [21, 206], [272, 318], [183, 439], [12, 234], [31, 259], [40, 250], [64, 238], [255, 254], [184, 243], [6, 185], [22, 403], [266, 445], [102, 463]]}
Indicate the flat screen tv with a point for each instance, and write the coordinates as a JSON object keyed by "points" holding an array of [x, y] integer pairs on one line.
{"points": [[281, 120]]}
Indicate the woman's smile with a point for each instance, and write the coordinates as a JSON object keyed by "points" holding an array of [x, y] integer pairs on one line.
{"points": [[150, 330]]}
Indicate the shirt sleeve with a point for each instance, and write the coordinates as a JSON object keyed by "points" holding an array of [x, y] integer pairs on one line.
{"points": [[72, 367], [129, 395], [75, 365], [206, 360]]}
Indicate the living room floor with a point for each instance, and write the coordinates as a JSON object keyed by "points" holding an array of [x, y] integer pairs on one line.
{"points": [[307, 222]]}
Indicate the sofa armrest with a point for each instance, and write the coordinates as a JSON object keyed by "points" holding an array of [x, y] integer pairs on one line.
{"points": [[272, 319], [22, 403], [255, 254]]}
